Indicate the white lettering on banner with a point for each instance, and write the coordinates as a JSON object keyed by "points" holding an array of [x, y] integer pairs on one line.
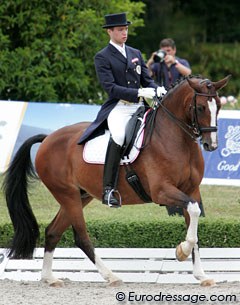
{"points": [[224, 166], [232, 142]]}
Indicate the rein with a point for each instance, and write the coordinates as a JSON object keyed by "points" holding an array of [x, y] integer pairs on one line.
{"points": [[194, 130]]}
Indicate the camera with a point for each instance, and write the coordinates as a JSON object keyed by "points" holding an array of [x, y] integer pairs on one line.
{"points": [[159, 57]]}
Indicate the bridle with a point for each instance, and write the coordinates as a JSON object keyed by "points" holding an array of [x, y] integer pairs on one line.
{"points": [[197, 129], [194, 130]]}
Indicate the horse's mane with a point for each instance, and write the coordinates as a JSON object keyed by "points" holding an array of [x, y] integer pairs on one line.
{"points": [[179, 81], [150, 120]]}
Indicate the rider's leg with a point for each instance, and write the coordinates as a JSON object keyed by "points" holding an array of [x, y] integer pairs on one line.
{"points": [[117, 122], [110, 175]]}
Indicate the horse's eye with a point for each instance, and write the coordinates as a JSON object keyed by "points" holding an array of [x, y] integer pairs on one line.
{"points": [[200, 108]]}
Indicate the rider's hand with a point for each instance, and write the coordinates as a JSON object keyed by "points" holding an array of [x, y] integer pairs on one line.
{"points": [[147, 93], [161, 91]]}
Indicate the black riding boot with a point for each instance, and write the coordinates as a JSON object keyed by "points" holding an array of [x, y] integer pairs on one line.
{"points": [[110, 175]]}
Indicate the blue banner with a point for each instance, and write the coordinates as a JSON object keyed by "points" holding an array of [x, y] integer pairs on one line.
{"points": [[223, 165]]}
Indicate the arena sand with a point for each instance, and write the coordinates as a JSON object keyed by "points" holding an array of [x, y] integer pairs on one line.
{"points": [[83, 293]]}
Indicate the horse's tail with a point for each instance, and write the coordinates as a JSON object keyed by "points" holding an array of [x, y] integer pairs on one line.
{"points": [[26, 230]]}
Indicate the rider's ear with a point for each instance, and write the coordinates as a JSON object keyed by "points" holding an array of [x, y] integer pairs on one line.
{"points": [[221, 83]]}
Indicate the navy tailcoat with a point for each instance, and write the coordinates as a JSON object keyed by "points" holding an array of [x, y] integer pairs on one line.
{"points": [[121, 78]]}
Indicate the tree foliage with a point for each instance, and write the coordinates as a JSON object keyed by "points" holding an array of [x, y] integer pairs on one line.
{"points": [[47, 47], [206, 33]]}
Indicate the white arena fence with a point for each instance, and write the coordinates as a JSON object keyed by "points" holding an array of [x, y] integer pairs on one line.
{"points": [[130, 264]]}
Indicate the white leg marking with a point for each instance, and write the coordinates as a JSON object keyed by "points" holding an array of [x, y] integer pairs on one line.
{"points": [[104, 271], [198, 271], [213, 110], [191, 238], [47, 274]]}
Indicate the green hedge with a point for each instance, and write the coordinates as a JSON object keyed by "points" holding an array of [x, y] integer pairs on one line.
{"points": [[162, 234]]}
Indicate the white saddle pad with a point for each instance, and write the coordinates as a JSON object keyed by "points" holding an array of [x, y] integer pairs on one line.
{"points": [[95, 150]]}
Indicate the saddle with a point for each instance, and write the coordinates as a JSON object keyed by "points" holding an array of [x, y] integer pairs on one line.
{"points": [[130, 150], [95, 149], [132, 129]]}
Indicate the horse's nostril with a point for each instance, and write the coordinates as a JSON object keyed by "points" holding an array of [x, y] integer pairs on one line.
{"points": [[206, 146]]}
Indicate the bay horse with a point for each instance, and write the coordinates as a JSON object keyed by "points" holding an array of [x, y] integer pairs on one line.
{"points": [[170, 167]]}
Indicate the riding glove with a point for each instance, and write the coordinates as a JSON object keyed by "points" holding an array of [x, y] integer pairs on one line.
{"points": [[147, 93], [161, 91]]}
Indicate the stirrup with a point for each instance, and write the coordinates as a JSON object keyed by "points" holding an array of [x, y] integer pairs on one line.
{"points": [[120, 199]]}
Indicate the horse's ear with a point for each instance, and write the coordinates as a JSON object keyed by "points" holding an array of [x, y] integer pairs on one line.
{"points": [[194, 85], [221, 83]]}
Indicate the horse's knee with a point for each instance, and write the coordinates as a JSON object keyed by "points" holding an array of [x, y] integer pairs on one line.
{"points": [[193, 209]]}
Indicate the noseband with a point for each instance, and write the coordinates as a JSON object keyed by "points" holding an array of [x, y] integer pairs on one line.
{"points": [[197, 129], [194, 130]]}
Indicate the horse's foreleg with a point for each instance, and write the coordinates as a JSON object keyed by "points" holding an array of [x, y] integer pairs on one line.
{"points": [[185, 248], [191, 245], [198, 271]]}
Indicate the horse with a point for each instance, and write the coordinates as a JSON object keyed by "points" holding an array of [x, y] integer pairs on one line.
{"points": [[170, 166]]}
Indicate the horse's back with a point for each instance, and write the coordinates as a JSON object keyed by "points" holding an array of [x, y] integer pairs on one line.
{"points": [[59, 152]]}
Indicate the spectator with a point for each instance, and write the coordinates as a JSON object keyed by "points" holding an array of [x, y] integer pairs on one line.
{"points": [[165, 67]]}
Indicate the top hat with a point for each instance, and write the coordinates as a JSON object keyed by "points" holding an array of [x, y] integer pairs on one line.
{"points": [[116, 20]]}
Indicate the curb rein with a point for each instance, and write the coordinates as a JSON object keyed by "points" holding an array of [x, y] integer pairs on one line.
{"points": [[196, 129]]}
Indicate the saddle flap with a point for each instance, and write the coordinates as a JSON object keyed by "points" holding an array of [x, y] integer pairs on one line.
{"points": [[132, 129], [95, 150]]}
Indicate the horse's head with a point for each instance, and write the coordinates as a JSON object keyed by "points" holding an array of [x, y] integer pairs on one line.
{"points": [[204, 109]]}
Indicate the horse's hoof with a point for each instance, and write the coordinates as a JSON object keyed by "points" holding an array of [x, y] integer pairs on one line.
{"points": [[208, 283], [180, 254], [57, 284], [116, 283]]}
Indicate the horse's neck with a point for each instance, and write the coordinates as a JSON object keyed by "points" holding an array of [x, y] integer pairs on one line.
{"points": [[167, 129]]}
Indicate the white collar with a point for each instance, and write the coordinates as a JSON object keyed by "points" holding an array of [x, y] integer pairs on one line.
{"points": [[122, 49]]}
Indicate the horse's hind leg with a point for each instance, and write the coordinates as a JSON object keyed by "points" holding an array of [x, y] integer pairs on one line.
{"points": [[71, 213], [83, 241], [53, 234], [85, 245]]}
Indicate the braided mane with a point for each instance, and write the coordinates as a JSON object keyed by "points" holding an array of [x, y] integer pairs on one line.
{"points": [[181, 80]]}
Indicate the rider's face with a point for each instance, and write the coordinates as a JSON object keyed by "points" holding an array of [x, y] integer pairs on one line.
{"points": [[118, 34]]}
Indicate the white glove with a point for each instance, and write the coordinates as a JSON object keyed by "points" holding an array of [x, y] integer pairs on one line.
{"points": [[161, 91], [147, 92]]}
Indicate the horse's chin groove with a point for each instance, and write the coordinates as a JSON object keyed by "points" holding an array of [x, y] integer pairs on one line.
{"points": [[116, 283], [180, 254], [208, 283]]}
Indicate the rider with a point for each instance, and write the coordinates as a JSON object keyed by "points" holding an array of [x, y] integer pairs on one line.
{"points": [[124, 76]]}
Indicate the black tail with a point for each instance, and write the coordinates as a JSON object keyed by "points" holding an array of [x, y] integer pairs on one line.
{"points": [[26, 231]]}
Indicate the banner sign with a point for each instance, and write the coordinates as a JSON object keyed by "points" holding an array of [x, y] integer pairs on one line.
{"points": [[21, 120], [11, 116], [222, 166]]}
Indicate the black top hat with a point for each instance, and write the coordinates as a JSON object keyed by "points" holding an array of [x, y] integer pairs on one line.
{"points": [[116, 20]]}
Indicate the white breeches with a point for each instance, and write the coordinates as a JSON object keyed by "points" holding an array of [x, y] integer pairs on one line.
{"points": [[118, 119]]}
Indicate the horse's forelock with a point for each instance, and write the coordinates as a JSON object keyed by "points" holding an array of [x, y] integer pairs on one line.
{"points": [[208, 83]]}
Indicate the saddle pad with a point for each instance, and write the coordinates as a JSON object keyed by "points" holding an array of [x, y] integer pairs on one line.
{"points": [[95, 150]]}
